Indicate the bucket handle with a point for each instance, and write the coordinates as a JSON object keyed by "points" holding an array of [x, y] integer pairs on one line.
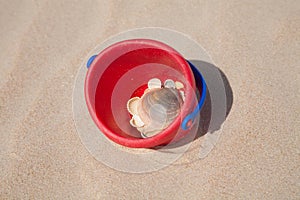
{"points": [[200, 82], [90, 60]]}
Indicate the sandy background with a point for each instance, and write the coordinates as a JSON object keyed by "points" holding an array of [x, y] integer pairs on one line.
{"points": [[255, 43]]}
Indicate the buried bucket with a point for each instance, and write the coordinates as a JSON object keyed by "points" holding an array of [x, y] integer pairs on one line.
{"points": [[136, 69]]}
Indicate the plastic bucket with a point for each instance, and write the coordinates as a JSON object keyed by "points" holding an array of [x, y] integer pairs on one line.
{"points": [[122, 71]]}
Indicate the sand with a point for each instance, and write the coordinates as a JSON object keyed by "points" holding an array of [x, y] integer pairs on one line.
{"points": [[255, 44]]}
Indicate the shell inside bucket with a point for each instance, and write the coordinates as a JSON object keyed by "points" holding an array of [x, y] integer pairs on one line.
{"points": [[123, 71]]}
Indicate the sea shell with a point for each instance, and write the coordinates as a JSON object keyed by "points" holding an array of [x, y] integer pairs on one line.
{"points": [[154, 83], [157, 109], [132, 105], [179, 85], [169, 83], [182, 95], [136, 121]]}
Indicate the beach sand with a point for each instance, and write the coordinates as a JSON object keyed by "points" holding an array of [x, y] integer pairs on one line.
{"points": [[256, 45]]}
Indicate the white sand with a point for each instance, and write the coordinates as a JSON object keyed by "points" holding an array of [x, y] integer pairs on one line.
{"points": [[256, 45]]}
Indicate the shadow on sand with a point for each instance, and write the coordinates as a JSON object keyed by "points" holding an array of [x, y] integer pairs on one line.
{"points": [[218, 103]]}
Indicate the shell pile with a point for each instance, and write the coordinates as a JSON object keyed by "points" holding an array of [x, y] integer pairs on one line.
{"points": [[157, 108]]}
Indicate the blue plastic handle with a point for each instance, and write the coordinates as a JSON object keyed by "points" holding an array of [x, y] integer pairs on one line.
{"points": [[91, 59], [200, 83]]}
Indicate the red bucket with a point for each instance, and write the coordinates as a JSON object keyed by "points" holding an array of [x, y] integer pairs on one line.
{"points": [[122, 71]]}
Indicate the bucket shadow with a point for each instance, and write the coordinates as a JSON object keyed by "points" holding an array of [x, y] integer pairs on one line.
{"points": [[206, 124]]}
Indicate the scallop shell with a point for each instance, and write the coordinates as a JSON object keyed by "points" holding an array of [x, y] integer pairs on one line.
{"points": [[182, 95], [136, 121], [169, 83], [157, 109], [154, 83], [179, 85], [132, 105]]}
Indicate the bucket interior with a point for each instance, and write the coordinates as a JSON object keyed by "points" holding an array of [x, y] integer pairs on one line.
{"points": [[123, 72]]}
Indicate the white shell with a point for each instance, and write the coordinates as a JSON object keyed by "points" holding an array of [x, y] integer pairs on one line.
{"points": [[179, 85], [169, 83], [132, 105], [136, 121], [154, 83], [155, 126], [182, 94], [157, 109]]}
